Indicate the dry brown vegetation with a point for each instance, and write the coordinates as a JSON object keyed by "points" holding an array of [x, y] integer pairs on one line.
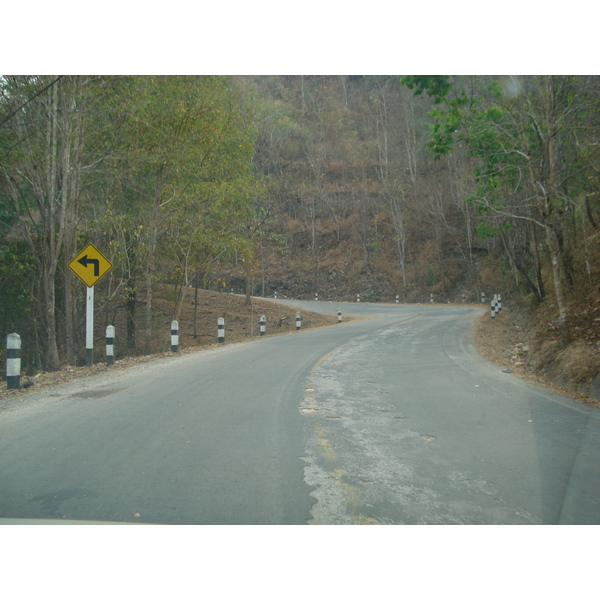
{"points": [[542, 352]]}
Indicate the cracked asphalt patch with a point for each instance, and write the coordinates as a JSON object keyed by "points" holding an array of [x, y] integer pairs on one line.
{"points": [[364, 455]]}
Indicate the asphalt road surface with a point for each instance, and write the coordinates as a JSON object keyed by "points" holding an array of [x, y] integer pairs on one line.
{"points": [[394, 419]]}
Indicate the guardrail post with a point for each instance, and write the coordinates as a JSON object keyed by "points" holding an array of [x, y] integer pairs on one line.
{"points": [[174, 336], [110, 345], [298, 322], [263, 325], [221, 329], [13, 361]]}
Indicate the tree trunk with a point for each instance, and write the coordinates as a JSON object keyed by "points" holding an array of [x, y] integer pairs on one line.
{"points": [[52, 360], [556, 274], [52, 240], [130, 290], [151, 259]]}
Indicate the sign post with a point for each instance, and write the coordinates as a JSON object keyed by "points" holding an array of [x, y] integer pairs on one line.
{"points": [[90, 265]]}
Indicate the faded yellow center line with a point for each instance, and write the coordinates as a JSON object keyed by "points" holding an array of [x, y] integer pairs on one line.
{"points": [[406, 321], [323, 443]]}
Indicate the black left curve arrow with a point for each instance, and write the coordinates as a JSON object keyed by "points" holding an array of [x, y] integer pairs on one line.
{"points": [[85, 261]]}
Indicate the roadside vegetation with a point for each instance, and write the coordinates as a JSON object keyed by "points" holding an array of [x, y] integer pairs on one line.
{"points": [[418, 187]]}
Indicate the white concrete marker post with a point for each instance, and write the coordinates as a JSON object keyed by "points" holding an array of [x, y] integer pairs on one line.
{"points": [[174, 336], [221, 329], [494, 306], [263, 325], [298, 322], [110, 345], [13, 361], [339, 315]]}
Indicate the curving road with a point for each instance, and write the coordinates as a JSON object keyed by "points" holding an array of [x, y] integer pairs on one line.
{"points": [[394, 419]]}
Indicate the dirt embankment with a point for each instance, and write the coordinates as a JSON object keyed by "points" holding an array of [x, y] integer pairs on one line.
{"points": [[545, 356]]}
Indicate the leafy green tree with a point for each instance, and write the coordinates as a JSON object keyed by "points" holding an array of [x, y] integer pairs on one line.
{"points": [[43, 169], [184, 163], [526, 135]]}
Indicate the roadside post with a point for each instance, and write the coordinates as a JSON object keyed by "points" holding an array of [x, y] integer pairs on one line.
{"points": [[494, 306], [358, 297], [339, 315], [397, 299], [90, 256], [298, 322], [13, 361], [89, 327], [110, 345], [263, 325], [174, 336], [221, 329]]}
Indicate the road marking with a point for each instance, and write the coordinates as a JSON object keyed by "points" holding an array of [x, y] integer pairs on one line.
{"points": [[406, 321], [324, 445]]}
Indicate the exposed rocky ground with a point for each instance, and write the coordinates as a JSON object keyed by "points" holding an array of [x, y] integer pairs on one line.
{"points": [[514, 342]]}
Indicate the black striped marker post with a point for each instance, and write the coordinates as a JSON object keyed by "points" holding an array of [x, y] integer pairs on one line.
{"points": [[494, 306], [298, 322], [431, 298], [358, 297], [339, 315], [13, 361], [221, 329], [110, 345], [316, 297], [482, 297], [397, 299], [174, 336], [263, 325]]}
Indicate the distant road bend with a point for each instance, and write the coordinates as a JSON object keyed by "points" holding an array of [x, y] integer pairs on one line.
{"points": [[393, 419]]}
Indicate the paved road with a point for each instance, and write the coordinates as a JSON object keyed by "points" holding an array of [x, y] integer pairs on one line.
{"points": [[391, 420]]}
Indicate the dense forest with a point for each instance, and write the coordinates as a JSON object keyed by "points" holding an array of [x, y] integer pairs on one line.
{"points": [[413, 186]]}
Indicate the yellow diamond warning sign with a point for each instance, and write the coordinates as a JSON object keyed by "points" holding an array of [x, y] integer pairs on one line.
{"points": [[90, 265]]}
